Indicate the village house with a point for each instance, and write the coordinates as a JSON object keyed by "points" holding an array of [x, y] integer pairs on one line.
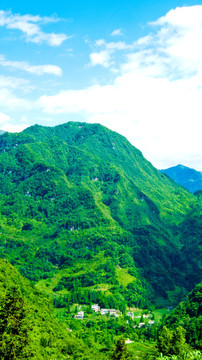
{"points": [[128, 341], [95, 308], [151, 322], [107, 311], [110, 312], [130, 314], [80, 315]]}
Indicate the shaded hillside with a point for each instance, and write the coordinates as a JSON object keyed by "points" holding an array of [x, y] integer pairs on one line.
{"points": [[185, 176], [79, 198]]}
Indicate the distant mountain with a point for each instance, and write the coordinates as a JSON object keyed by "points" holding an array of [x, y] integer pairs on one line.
{"points": [[185, 176], [2, 132], [84, 214]]}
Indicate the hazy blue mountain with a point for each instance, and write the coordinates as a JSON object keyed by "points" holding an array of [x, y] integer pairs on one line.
{"points": [[185, 176]]}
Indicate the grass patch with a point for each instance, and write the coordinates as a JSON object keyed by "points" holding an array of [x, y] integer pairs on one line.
{"points": [[123, 277]]}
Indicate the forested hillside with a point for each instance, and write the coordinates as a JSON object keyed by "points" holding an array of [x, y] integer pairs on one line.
{"points": [[28, 328], [84, 214], [189, 315]]}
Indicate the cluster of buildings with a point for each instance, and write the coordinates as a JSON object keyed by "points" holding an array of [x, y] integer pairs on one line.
{"points": [[116, 313], [150, 322], [111, 312], [97, 309]]}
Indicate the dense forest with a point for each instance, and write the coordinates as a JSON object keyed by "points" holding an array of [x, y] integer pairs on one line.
{"points": [[85, 219]]}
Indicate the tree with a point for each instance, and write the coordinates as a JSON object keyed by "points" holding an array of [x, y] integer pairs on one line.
{"points": [[121, 352], [164, 342], [172, 342], [13, 327], [179, 341]]}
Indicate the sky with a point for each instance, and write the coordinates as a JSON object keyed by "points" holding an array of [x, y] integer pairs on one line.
{"points": [[132, 66]]}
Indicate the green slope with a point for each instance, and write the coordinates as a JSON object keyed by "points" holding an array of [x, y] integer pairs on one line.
{"points": [[28, 328], [188, 314], [75, 191]]}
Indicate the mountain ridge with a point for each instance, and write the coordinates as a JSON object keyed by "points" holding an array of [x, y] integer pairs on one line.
{"points": [[189, 178], [72, 192]]}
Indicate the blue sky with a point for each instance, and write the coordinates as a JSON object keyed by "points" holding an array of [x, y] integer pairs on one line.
{"points": [[135, 67]]}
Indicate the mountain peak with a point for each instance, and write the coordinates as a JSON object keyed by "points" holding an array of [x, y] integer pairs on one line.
{"points": [[190, 178]]}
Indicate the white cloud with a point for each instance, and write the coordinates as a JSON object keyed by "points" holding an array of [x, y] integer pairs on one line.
{"points": [[11, 102], [104, 57], [10, 125], [31, 27], [182, 17], [156, 99], [44, 69], [51, 39], [100, 58], [117, 32], [37, 69], [143, 41], [12, 128], [119, 45], [179, 40], [100, 42], [3, 118], [11, 82]]}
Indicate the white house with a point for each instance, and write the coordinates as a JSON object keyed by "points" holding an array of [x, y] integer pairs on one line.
{"points": [[80, 315], [151, 322], [95, 308]]}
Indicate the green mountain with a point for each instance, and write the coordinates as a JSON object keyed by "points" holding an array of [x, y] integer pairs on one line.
{"points": [[185, 176], [84, 215]]}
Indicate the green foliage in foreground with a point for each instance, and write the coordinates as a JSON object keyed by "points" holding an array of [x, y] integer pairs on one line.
{"points": [[172, 342], [189, 315], [121, 352], [28, 328], [192, 355], [13, 326]]}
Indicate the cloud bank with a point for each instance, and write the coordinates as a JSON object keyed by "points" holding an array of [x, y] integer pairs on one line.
{"points": [[153, 95], [156, 99]]}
